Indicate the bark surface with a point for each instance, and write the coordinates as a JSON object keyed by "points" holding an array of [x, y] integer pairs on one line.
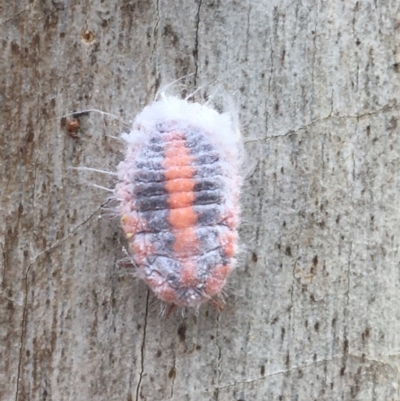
{"points": [[312, 310]]}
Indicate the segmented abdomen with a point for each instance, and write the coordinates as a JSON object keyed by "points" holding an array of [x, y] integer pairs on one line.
{"points": [[176, 214]]}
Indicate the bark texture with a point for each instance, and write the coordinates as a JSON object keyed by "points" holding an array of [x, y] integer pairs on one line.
{"points": [[312, 311]]}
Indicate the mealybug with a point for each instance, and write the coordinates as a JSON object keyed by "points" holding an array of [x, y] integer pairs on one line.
{"points": [[178, 189]]}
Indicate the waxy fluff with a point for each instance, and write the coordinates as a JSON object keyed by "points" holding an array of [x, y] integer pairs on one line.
{"points": [[179, 188]]}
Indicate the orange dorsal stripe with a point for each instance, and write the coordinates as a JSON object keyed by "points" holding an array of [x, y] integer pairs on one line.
{"points": [[182, 217]]}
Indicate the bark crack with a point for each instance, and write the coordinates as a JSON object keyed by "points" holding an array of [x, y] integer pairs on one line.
{"points": [[314, 54], [196, 44], [346, 306], [4, 263], [22, 336], [155, 29], [173, 377], [153, 59], [34, 182], [355, 41], [216, 393], [248, 33], [271, 70], [142, 348]]}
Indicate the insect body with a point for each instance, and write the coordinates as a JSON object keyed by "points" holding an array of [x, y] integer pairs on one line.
{"points": [[179, 199]]}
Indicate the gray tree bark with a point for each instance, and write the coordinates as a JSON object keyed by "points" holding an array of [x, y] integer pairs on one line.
{"points": [[312, 311]]}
